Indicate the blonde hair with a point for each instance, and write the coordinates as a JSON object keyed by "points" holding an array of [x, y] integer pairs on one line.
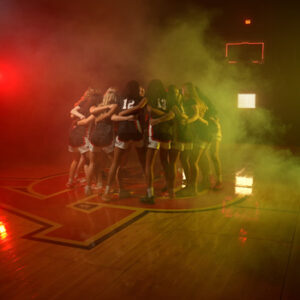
{"points": [[110, 96]]}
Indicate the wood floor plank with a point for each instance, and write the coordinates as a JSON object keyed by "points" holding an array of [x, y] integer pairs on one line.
{"points": [[186, 265]]}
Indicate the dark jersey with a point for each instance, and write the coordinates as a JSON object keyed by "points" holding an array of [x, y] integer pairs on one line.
{"points": [[180, 130], [129, 130], [103, 133], [188, 106], [197, 130], [202, 131], [164, 130], [212, 128], [143, 117], [210, 113], [77, 133]]}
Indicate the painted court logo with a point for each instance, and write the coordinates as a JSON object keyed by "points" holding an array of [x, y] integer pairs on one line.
{"points": [[69, 218]]}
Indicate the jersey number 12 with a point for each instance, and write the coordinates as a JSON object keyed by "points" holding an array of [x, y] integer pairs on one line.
{"points": [[127, 104]]}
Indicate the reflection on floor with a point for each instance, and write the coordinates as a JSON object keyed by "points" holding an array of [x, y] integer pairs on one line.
{"points": [[241, 242]]}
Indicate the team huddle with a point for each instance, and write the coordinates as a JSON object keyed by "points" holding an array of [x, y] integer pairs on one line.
{"points": [[180, 124]]}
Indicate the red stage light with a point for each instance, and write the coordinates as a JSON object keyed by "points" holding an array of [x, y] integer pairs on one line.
{"points": [[3, 232], [9, 79]]}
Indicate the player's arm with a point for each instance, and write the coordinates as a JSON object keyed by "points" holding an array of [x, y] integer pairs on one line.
{"points": [[156, 111], [76, 113], [215, 120], [203, 120], [195, 115], [178, 113], [166, 117], [86, 121], [118, 118], [108, 114], [100, 108], [133, 109]]}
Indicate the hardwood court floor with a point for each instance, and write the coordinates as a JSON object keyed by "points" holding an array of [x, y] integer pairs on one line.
{"points": [[239, 243]]}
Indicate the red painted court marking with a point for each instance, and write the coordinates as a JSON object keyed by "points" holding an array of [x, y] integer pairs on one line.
{"points": [[50, 185], [70, 218], [204, 200], [97, 221], [15, 182]]}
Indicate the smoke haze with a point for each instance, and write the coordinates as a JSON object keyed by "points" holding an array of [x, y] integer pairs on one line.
{"points": [[56, 49]]}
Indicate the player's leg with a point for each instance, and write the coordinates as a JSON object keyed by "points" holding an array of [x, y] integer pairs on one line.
{"points": [[185, 163], [72, 170], [194, 168], [116, 163], [215, 157], [173, 158], [90, 173], [150, 160]]}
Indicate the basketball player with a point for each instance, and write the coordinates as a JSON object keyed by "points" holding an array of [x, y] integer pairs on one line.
{"points": [[160, 133], [129, 131]]}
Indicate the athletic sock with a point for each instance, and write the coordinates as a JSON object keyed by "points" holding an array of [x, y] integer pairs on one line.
{"points": [[99, 184], [107, 188], [150, 192]]}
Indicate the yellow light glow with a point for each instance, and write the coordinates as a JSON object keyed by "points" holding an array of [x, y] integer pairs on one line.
{"points": [[3, 233], [248, 21], [243, 190], [183, 179], [2, 228], [243, 181], [246, 100]]}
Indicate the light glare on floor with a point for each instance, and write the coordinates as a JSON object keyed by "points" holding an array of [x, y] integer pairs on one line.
{"points": [[243, 181], [243, 190]]}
